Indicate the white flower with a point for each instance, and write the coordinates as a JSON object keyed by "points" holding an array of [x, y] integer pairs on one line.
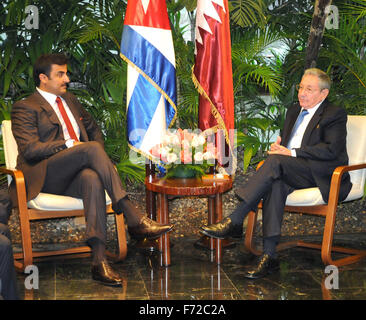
{"points": [[174, 140], [201, 139], [166, 139], [198, 156], [196, 141], [164, 151], [208, 155], [171, 157]]}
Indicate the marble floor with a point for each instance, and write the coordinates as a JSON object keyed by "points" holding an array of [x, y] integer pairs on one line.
{"points": [[194, 276]]}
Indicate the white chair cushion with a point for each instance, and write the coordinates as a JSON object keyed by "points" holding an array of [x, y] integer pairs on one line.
{"points": [[54, 202], [305, 197], [10, 145], [312, 196]]}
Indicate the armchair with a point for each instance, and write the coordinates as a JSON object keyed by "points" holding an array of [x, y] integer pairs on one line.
{"points": [[46, 206], [309, 201]]}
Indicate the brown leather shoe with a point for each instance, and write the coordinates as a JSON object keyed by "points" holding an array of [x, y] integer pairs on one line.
{"points": [[104, 274], [148, 228]]}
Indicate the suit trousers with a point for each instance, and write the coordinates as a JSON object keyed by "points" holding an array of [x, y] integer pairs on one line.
{"points": [[85, 171], [8, 281], [273, 182]]}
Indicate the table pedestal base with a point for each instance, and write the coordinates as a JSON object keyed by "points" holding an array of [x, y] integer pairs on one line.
{"points": [[164, 188]]}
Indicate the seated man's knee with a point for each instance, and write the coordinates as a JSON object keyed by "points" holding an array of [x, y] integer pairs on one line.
{"points": [[273, 160], [94, 145], [89, 176], [94, 148]]}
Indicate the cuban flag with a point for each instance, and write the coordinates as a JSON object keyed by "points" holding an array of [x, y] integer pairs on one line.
{"points": [[147, 47]]}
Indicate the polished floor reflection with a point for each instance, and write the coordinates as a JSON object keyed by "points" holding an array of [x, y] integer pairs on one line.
{"points": [[194, 276]]}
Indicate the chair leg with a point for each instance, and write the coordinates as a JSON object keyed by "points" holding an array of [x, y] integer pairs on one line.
{"points": [[327, 245], [326, 250], [26, 238], [121, 237], [249, 233]]}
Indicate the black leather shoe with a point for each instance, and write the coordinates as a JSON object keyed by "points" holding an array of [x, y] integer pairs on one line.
{"points": [[265, 265], [148, 228], [104, 274], [223, 229]]}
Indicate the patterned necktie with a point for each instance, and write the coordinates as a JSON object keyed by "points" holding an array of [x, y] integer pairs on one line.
{"points": [[69, 126]]}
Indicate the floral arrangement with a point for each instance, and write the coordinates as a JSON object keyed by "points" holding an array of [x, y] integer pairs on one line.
{"points": [[183, 153]]}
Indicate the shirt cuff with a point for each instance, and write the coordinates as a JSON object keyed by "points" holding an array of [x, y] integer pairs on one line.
{"points": [[69, 143], [293, 153]]}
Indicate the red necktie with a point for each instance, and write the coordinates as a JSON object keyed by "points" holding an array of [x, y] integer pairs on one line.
{"points": [[69, 127]]}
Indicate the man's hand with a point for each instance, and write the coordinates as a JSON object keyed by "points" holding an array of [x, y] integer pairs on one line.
{"points": [[276, 148], [77, 143]]}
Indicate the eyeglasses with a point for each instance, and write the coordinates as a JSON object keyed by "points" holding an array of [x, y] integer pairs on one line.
{"points": [[306, 89]]}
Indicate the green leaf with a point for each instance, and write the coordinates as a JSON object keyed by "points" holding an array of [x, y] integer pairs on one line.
{"points": [[116, 92], [248, 153], [129, 170]]}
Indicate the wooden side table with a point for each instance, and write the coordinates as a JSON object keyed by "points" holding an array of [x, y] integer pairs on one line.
{"points": [[208, 186]]}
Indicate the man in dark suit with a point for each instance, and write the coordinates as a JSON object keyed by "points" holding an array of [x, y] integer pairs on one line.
{"points": [[8, 280], [61, 152], [312, 145]]}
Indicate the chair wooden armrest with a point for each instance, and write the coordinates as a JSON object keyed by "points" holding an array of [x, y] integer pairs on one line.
{"points": [[23, 212], [15, 173], [259, 165], [337, 177], [20, 188], [18, 177]]}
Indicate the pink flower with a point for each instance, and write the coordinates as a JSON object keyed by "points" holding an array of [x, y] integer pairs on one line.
{"points": [[186, 156]]}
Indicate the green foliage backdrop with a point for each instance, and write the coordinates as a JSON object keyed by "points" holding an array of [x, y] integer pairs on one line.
{"points": [[269, 39]]}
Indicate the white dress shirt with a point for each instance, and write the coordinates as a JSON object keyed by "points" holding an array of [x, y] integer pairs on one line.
{"points": [[51, 99], [296, 139]]}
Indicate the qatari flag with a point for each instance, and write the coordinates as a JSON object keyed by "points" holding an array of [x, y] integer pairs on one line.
{"points": [[212, 75]]}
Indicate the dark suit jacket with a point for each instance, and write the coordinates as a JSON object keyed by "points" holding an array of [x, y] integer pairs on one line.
{"points": [[323, 144], [39, 135]]}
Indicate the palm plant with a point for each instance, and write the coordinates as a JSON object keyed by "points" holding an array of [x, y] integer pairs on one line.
{"points": [[89, 33], [246, 13], [257, 72], [343, 55], [251, 73], [187, 95]]}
